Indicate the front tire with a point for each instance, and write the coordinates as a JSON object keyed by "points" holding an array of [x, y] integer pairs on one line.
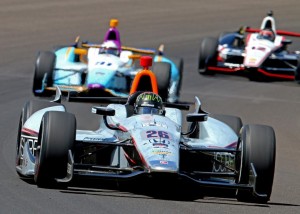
{"points": [[207, 55], [234, 122], [56, 137], [258, 146], [44, 65], [29, 109]]}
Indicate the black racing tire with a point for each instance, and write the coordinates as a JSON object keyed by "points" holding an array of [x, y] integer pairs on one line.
{"points": [[162, 71], [297, 73], [56, 137], [179, 63], [207, 55], [29, 108], [45, 63], [234, 122], [258, 146]]}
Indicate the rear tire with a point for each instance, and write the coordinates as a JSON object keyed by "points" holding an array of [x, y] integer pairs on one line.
{"points": [[207, 55], [234, 122], [162, 71], [56, 137], [179, 63], [258, 146], [297, 74], [45, 63]]}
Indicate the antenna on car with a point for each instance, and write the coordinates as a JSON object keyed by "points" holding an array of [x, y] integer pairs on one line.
{"points": [[270, 13]]}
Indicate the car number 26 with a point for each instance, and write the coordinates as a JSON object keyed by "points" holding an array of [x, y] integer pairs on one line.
{"points": [[157, 134]]}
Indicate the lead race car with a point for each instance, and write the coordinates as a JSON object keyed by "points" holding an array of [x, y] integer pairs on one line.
{"points": [[144, 137], [105, 69], [260, 53]]}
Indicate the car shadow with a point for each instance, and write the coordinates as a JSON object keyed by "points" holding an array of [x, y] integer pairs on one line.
{"points": [[148, 189], [173, 191]]}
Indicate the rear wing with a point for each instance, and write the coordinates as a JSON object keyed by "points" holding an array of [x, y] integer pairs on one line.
{"points": [[278, 32]]}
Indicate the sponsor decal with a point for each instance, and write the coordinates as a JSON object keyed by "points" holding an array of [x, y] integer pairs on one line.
{"points": [[163, 162], [261, 49], [161, 152], [252, 60], [32, 144], [154, 124], [93, 139], [223, 160], [160, 143], [151, 97]]}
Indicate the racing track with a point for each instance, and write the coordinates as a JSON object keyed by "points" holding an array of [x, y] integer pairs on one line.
{"points": [[38, 25]]}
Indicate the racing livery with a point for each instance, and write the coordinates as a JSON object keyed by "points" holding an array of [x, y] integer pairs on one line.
{"points": [[105, 69], [261, 53], [216, 150]]}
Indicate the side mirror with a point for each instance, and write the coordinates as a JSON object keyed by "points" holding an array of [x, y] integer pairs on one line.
{"points": [[196, 117], [103, 111], [286, 42]]}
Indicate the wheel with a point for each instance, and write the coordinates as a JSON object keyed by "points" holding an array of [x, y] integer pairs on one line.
{"points": [[297, 73], [179, 65], [162, 71], [44, 65], [29, 108], [232, 121], [56, 137], [207, 55], [258, 146]]}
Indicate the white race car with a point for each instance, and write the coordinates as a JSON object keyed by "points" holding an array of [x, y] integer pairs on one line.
{"points": [[261, 53], [144, 136]]}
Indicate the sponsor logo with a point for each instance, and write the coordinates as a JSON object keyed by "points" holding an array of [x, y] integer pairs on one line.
{"points": [[159, 143], [32, 144], [93, 139], [155, 124], [151, 97], [163, 162], [161, 152], [223, 161]]}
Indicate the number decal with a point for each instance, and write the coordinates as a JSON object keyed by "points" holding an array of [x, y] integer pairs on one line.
{"points": [[151, 134], [157, 134], [163, 134]]}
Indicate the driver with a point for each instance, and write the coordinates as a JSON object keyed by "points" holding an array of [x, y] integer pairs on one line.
{"points": [[267, 34], [148, 103], [109, 47]]}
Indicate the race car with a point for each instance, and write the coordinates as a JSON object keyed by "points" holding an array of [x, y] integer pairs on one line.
{"points": [[105, 69], [145, 137], [260, 53]]}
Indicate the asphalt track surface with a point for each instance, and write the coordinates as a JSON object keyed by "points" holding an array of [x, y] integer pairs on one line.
{"points": [[32, 25]]}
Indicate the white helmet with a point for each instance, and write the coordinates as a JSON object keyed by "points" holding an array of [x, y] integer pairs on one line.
{"points": [[109, 47]]}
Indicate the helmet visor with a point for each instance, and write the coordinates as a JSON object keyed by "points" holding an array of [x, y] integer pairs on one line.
{"points": [[147, 110]]}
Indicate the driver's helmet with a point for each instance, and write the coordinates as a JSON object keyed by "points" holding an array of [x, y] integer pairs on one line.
{"points": [[109, 47], [267, 34], [148, 103]]}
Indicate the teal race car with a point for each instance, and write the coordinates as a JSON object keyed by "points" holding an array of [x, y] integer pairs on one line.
{"points": [[105, 69]]}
